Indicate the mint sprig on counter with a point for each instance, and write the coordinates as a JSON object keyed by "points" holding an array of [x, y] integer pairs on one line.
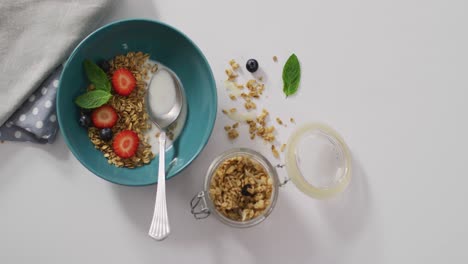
{"points": [[99, 96], [291, 75]]}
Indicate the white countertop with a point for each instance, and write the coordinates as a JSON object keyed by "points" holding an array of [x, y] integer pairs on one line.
{"points": [[390, 77]]}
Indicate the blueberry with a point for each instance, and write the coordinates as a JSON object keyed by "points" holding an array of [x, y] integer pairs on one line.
{"points": [[85, 120], [105, 134], [252, 65], [105, 66], [85, 111], [245, 190]]}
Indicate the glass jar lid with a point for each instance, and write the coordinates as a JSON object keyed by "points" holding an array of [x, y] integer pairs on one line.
{"points": [[318, 161]]}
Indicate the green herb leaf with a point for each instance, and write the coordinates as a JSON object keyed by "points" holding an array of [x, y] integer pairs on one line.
{"points": [[97, 76], [291, 75], [93, 99]]}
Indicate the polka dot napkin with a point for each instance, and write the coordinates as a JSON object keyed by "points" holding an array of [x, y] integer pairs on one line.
{"points": [[36, 119], [35, 38]]}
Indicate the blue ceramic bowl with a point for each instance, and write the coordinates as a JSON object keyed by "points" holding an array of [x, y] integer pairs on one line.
{"points": [[164, 44]]}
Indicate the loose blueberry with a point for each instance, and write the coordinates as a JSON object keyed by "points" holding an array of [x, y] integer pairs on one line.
{"points": [[105, 66], [85, 120], [245, 190], [252, 65], [105, 134]]}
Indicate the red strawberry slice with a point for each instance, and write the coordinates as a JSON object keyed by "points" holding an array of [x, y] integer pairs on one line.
{"points": [[123, 81], [126, 144], [104, 117]]}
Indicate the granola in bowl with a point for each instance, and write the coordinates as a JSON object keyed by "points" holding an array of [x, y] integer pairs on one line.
{"points": [[131, 111], [114, 112]]}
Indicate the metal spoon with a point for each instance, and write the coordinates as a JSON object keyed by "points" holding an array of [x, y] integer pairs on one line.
{"points": [[160, 229]]}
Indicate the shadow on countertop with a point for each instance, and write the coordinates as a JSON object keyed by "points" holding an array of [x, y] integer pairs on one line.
{"points": [[284, 237], [348, 213]]}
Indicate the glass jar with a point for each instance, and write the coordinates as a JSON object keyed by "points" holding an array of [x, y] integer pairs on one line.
{"points": [[318, 162]]}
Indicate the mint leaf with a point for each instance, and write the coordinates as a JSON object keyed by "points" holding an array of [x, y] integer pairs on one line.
{"points": [[103, 87], [291, 75], [93, 99], [97, 76]]}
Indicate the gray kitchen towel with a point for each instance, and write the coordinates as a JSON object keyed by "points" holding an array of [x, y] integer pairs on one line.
{"points": [[36, 37]]}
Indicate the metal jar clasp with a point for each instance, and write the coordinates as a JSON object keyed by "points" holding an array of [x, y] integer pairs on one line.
{"points": [[286, 180], [198, 206]]}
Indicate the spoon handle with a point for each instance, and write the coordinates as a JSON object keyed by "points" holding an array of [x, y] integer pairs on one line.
{"points": [[159, 229]]}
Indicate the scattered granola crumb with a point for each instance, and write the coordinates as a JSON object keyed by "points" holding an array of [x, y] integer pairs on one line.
{"points": [[261, 88], [283, 147], [232, 131], [256, 89], [270, 129], [292, 120], [261, 118], [157, 134], [269, 137], [274, 151], [252, 127], [279, 121], [275, 59], [250, 105], [231, 75], [234, 64], [233, 134], [257, 125]]}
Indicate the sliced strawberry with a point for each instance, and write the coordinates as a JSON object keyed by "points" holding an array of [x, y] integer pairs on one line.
{"points": [[125, 144], [104, 117], [123, 81]]}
